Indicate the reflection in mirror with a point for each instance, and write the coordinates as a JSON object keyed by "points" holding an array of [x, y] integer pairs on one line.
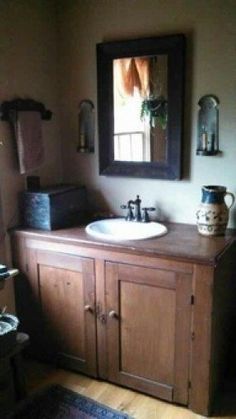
{"points": [[140, 95], [140, 86]]}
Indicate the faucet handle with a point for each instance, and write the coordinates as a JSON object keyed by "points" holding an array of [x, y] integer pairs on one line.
{"points": [[130, 215], [146, 218]]}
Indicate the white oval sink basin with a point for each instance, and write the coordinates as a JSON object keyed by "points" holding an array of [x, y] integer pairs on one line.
{"points": [[120, 229]]}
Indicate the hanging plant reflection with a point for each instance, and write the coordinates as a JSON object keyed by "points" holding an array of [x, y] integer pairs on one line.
{"points": [[156, 110]]}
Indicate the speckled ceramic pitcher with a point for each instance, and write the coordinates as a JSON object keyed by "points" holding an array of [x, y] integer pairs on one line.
{"points": [[213, 213]]}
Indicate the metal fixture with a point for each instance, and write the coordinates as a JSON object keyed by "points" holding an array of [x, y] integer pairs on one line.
{"points": [[208, 126], [137, 210], [130, 215], [86, 127], [136, 215], [145, 217], [113, 314]]}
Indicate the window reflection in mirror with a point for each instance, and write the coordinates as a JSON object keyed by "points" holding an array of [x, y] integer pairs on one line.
{"points": [[140, 101], [141, 81]]}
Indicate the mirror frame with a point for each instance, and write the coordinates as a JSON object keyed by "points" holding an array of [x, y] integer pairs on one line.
{"points": [[174, 47]]}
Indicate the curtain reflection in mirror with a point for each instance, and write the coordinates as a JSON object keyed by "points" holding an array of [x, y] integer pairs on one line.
{"points": [[140, 108]]}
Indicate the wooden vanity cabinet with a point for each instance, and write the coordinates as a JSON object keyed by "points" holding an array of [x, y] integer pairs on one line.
{"points": [[158, 320]]}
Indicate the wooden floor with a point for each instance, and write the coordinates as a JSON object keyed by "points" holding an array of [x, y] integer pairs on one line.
{"points": [[135, 404]]}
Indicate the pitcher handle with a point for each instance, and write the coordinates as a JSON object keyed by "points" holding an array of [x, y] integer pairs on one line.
{"points": [[232, 197]]}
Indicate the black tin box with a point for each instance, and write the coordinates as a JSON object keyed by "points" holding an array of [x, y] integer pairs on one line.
{"points": [[55, 207]]}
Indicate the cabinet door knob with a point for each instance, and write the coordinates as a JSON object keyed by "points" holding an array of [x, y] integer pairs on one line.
{"points": [[87, 307], [113, 314]]}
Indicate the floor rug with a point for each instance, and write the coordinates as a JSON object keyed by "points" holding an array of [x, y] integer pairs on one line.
{"points": [[57, 402]]}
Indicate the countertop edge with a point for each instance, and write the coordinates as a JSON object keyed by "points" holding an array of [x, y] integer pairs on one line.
{"points": [[65, 236]]}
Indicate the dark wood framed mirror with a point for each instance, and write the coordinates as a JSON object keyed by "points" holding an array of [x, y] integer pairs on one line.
{"points": [[140, 106]]}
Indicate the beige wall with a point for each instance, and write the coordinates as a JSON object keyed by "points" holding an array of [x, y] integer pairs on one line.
{"points": [[210, 27], [28, 68]]}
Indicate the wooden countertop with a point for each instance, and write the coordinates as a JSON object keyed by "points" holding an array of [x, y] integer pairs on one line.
{"points": [[182, 242]]}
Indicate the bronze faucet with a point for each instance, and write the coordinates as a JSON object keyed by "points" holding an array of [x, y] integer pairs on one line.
{"points": [[130, 215], [137, 209], [136, 215]]}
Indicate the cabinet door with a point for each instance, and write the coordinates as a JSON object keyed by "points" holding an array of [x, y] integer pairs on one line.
{"points": [[67, 294], [148, 329]]}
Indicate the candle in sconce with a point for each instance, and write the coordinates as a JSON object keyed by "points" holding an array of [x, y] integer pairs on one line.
{"points": [[82, 140], [204, 138], [211, 143]]}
